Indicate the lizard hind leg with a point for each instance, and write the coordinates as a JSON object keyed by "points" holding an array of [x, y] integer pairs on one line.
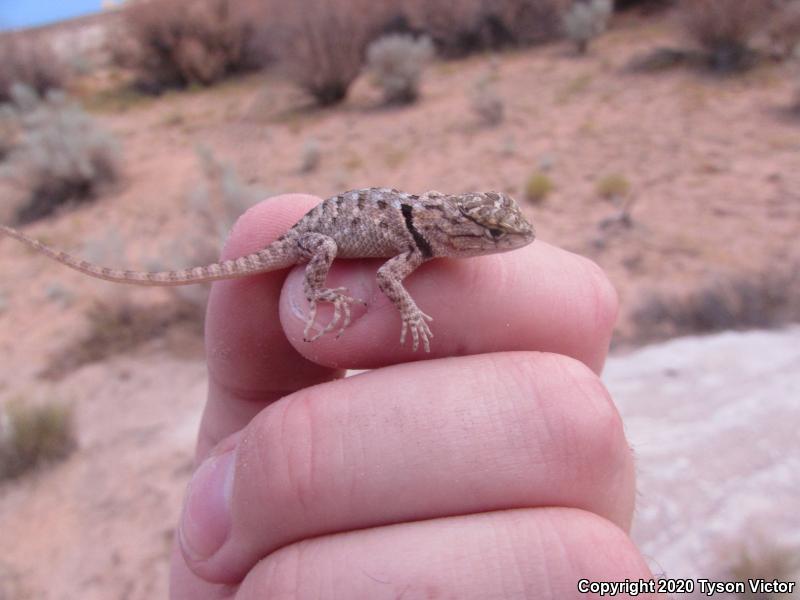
{"points": [[321, 250]]}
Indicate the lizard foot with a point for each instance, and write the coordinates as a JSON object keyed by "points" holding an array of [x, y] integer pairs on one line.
{"points": [[416, 321], [341, 306]]}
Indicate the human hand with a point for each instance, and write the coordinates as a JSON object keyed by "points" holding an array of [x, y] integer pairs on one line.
{"points": [[500, 473]]}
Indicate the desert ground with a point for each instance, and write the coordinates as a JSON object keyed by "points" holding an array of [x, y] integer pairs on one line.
{"points": [[712, 165]]}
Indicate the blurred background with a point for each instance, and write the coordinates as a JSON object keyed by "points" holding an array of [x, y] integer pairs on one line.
{"points": [[660, 138]]}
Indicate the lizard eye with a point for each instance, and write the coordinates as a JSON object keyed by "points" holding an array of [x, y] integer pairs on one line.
{"points": [[495, 234]]}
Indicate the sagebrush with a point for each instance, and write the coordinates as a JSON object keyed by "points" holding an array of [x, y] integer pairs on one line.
{"points": [[34, 434], [60, 155], [29, 60], [586, 20], [396, 63], [177, 43]]}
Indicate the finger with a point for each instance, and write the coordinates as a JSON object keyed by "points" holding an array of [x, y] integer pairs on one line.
{"points": [[514, 555], [506, 430], [250, 362], [185, 585], [536, 298]]}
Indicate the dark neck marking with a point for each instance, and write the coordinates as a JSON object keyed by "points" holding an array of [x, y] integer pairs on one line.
{"points": [[422, 244]]}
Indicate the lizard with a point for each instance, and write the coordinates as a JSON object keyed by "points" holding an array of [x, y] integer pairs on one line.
{"points": [[407, 229]]}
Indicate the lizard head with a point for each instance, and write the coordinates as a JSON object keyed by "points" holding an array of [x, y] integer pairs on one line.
{"points": [[486, 223]]}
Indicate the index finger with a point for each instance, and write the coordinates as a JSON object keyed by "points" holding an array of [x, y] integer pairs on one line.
{"points": [[536, 298], [539, 297], [250, 361]]}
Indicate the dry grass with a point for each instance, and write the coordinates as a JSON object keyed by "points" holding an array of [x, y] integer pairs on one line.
{"points": [[761, 300], [120, 328], [29, 60], [34, 434]]}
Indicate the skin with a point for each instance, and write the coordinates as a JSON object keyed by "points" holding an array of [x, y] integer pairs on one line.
{"points": [[495, 468]]}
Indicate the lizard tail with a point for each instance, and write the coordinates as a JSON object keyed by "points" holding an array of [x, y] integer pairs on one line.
{"points": [[273, 257]]}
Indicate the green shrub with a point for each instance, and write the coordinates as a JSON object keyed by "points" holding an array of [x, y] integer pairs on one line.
{"points": [[538, 187], [35, 434], [613, 187]]}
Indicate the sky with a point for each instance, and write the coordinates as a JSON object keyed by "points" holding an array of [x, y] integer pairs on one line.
{"points": [[26, 13]]}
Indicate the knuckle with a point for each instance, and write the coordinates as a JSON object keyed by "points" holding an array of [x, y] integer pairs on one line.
{"points": [[277, 576], [285, 451], [585, 425]]}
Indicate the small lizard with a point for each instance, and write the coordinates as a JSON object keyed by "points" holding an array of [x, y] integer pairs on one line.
{"points": [[407, 229]]}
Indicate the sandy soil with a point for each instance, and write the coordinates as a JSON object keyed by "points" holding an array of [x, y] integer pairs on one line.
{"points": [[713, 168]]}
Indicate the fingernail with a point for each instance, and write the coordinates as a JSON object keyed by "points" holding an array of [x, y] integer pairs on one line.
{"points": [[206, 520]]}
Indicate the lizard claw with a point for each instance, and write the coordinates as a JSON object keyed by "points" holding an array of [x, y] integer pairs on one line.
{"points": [[417, 322], [341, 304]]}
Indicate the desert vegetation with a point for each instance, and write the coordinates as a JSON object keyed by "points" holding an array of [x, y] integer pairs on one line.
{"points": [[396, 62], [724, 29], [56, 153], [214, 105], [176, 43], [34, 434], [29, 60], [585, 21], [733, 302]]}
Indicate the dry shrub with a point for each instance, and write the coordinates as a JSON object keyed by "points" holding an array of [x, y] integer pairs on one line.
{"points": [[34, 434], [396, 62], [122, 327], [176, 43], [61, 155], [322, 43], [762, 300], [29, 60], [465, 26], [783, 31], [724, 28]]}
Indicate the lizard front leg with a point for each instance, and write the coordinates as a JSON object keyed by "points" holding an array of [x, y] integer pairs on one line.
{"points": [[320, 250], [390, 277]]}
